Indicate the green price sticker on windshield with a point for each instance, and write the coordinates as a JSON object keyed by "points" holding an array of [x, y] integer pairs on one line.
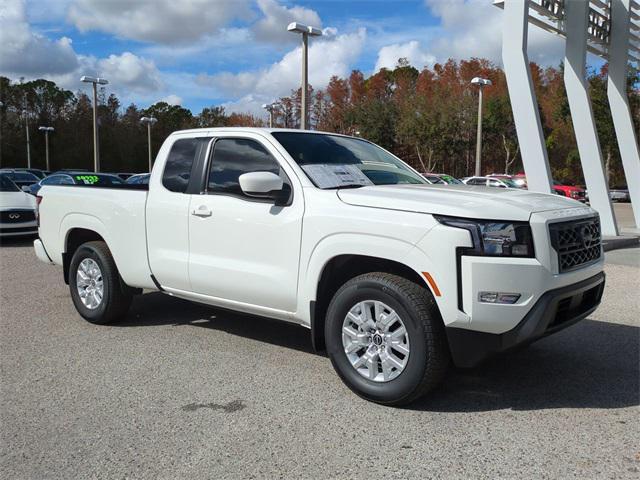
{"points": [[87, 179]]}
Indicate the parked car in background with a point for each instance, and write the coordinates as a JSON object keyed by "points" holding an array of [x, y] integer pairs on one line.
{"points": [[441, 179], [396, 277], [619, 194], [520, 179], [17, 210], [35, 171], [21, 178], [75, 178], [500, 182], [570, 191], [139, 179]]}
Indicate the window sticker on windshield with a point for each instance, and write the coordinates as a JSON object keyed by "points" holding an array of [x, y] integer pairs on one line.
{"points": [[331, 176], [87, 179]]}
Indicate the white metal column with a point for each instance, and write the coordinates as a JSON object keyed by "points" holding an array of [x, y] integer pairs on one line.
{"points": [[617, 93], [522, 95], [584, 125]]}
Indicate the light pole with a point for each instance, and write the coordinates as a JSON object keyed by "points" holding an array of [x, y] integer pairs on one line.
{"points": [[480, 82], [149, 121], [95, 81], [306, 32], [271, 108], [26, 128], [46, 131]]}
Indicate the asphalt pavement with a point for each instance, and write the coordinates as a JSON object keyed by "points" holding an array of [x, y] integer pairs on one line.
{"points": [[179, 390]]}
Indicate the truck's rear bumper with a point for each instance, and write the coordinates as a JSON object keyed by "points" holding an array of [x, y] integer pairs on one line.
{"points": [[41, 253], [555, 309]]}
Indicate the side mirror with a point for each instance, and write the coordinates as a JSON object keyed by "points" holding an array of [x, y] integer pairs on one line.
{"points": [[25, 188], [265, 185]]}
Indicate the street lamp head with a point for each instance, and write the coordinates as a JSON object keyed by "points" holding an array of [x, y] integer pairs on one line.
{"points": [[481, 82], [46, 129], [306, 29], [149, 120], [100, 81]]}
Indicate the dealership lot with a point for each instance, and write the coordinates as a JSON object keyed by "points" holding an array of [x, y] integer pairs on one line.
{"points": [[181, 390]]}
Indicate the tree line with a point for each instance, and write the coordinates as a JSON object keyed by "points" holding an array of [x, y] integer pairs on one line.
{"points": [[427, 117]]}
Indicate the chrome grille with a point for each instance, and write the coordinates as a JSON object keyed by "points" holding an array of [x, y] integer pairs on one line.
{"points": [[577, 242]]}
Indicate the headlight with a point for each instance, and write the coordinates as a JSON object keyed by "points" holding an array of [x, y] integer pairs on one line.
{"points": [[493, 238]]}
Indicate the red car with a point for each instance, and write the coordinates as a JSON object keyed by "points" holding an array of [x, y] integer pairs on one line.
{"points": [[576, 193], [570, 191]]}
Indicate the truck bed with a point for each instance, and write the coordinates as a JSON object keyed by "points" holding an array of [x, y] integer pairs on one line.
{"points": [[116, 213]]}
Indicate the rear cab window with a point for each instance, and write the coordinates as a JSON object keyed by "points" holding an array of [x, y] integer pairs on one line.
{"points": [[180, 163]]}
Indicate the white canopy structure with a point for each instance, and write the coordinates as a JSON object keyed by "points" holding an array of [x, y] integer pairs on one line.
{"points": [[609, 29]]}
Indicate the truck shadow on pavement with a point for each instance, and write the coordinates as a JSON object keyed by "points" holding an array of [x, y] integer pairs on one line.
{"points": [[593, 364], [160, 309]]}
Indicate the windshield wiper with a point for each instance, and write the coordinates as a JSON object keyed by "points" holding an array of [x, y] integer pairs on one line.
{"points": [[351, 185]]}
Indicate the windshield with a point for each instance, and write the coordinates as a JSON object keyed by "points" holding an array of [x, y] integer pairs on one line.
{"points": [[97, 179], [6, 185], [451, 180], [333, 161], [22, 177]]}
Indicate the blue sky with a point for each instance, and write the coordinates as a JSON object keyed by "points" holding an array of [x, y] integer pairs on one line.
{"points": [[237, 52]]}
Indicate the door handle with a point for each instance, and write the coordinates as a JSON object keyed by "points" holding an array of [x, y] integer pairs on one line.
{"points": [[202, 211]]}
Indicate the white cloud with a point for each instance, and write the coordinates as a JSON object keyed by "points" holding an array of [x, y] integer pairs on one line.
{"points": [[417, 56], [24, 52], [29, 54], [326, 58], [273, 26], [473, 28], [172, 100], [129, 76], [161, 21]]}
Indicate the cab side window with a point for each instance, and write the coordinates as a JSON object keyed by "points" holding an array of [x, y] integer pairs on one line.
{"points": [[233, 157], [177, 170]]}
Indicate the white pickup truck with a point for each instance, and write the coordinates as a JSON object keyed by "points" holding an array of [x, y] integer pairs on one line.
{"points": [[396, 278]]}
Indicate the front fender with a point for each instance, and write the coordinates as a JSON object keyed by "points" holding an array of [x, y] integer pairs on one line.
{"points": [[345, 244]]}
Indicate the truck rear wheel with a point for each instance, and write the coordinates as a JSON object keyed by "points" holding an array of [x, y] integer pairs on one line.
{"points": [[97, 290], [386, 339]]}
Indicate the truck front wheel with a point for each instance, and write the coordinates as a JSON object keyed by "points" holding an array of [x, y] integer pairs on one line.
{"points": [[97, 290], [385, 338]]}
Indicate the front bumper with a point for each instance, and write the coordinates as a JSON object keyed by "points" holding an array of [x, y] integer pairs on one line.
{"points": [[17, 229], [554, 310]]}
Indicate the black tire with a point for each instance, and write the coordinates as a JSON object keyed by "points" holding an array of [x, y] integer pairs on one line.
{"points": [[429, 355], [116, 297]]}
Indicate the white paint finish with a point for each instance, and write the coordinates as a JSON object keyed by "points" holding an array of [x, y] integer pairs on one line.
{"points": [[526, 276], [116, 215], [250, 243], [18, 200], [41, 252], [576, 20], [523, 98], [458, 200], [617, 93], [257, 258]]}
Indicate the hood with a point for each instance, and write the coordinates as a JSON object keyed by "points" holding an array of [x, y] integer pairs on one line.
{"points": [[17, 200], [458, 200]]}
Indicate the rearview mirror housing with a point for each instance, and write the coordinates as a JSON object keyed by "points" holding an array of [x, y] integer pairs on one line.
{"points": [[266, 185]]}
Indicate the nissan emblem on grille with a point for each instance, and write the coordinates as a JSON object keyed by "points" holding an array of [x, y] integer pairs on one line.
{"points": [[577, 242]]}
